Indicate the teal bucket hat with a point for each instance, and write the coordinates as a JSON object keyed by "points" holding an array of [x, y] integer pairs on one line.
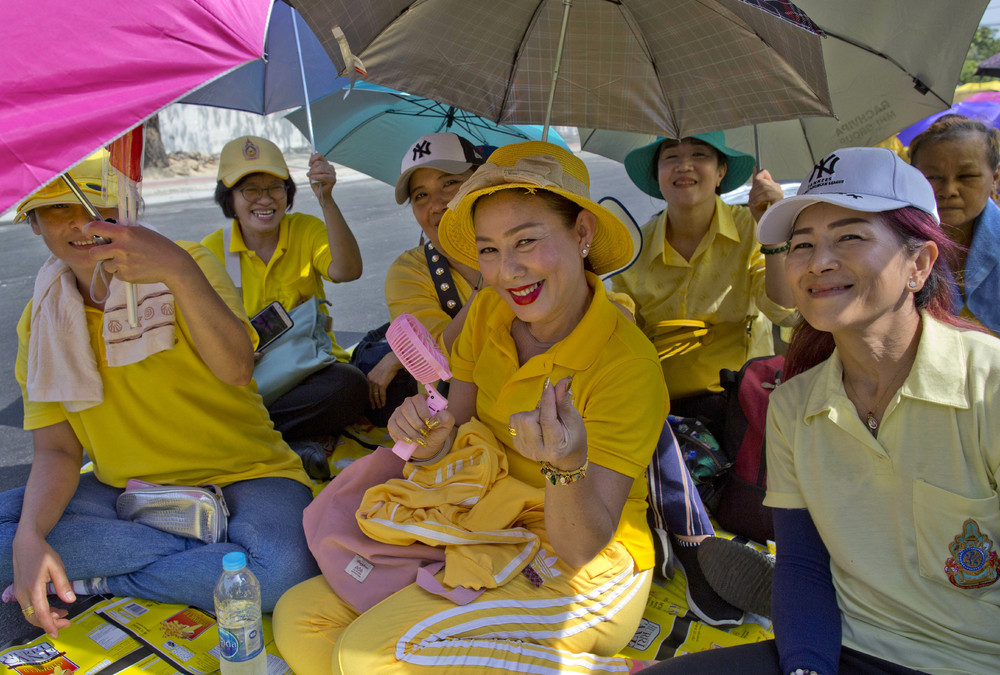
{"points": [[641, 164]]}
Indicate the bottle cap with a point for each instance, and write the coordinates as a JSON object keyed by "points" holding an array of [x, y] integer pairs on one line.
{"points": [[234, 562]]}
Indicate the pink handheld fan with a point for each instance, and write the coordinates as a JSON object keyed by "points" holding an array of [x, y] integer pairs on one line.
{"points": [[423, 359]]}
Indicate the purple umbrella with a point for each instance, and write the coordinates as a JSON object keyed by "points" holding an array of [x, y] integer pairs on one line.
{"points": [[987, 112]]}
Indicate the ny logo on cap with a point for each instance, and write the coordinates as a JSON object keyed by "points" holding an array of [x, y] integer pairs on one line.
{"points": [[824, 166], [421, 149]]}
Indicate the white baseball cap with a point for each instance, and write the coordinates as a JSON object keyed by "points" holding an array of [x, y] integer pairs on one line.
{"points": [[444, 151], [862, 179]]}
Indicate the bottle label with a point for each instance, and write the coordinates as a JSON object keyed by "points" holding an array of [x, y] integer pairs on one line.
{"points": [[241, 643]]}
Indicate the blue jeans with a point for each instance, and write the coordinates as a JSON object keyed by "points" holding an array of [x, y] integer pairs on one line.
{"points": [[265, 523]]}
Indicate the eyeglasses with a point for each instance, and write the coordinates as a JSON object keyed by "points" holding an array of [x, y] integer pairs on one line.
{"points": [[252, 194]]}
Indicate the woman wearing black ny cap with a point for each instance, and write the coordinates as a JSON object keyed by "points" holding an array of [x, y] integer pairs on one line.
{"points": [[882, 447]]}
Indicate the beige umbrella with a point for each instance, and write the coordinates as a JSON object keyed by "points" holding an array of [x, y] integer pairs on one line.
{"points": [[889, 64], [655, 66]]}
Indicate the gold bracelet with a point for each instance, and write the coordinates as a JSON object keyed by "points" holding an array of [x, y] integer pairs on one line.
{"points": [[557, 477]]}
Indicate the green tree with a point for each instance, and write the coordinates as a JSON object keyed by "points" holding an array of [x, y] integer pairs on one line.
{"points": [[985, 44]]}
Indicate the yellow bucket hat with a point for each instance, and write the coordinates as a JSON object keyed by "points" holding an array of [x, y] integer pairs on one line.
{"points": [[96, 178], [250, 154], [534, 165]]}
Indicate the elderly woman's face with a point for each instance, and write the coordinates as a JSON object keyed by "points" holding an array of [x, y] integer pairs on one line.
{"points": [[961, 176], [847, 268]]}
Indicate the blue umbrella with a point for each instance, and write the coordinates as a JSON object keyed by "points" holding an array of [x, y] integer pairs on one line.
{"points": [[987, 112], [371, 129], [275, 82]]}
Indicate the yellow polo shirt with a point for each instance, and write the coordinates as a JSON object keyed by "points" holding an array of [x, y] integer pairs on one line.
{"points": [[168, 419], [295, 272], [410, 289], [890, 508], [617, 388], [722, 285]]}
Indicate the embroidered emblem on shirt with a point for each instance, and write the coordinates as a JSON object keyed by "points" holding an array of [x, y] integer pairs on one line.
{"points": [[973, 562], [541, 568], [250, 151]]}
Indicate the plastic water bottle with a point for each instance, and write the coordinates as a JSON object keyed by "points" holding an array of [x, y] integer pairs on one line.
{"points": [[237, 609]]}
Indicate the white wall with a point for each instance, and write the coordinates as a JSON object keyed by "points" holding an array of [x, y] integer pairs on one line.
{"points": [[198, 128]]}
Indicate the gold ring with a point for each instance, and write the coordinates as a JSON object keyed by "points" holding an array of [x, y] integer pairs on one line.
{"points": [[511, 431], [28, 611]]}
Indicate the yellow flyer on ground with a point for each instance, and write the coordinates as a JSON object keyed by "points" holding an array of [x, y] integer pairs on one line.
{"points": [[88, 645], [185, 638]]}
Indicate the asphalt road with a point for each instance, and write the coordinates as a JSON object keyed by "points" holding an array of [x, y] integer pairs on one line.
{"points": [[383, 229]]}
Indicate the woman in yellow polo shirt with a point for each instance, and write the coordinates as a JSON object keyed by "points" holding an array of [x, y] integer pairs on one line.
{"points": [[166, 402], [700, 261], [883, 453], [526, 221], [286, 257]]}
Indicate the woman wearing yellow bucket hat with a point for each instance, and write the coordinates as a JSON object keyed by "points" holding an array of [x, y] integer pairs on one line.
{"points": [[168, 402], [526, 221], [700, 261]]}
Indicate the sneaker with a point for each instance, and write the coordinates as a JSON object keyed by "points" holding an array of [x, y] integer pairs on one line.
{"points": [[314, 459], [702, 599], [740, 574]]}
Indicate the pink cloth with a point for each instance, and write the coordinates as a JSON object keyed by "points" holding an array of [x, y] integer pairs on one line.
{"points": [[361, 570]]}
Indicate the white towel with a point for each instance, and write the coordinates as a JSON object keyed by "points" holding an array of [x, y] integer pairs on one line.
{"points": [[61, 365]]}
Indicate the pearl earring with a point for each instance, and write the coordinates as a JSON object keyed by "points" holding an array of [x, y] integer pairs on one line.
{"points": [[585, 251], [912, 284]]}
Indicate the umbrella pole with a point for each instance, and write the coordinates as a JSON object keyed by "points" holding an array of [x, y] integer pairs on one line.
{"points": [[555, 71], [756, 147], [305, 94]]}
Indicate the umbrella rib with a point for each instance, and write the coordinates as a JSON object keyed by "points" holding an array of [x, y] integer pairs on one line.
{"points": [[517, 58]]}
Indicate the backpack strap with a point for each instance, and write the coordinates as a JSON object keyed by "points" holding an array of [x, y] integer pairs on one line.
{"points": [[443, 283], [231, 259]]}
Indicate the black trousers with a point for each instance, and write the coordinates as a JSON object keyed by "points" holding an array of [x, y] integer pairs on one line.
{"points": [[322, 404], [761, 658]]}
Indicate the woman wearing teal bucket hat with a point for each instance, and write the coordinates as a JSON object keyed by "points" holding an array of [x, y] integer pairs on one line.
{"points": [[700, 262]]}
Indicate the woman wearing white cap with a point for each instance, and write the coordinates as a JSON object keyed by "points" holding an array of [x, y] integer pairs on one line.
{"points": [[286, 257], [424, 281], [883, 453]]}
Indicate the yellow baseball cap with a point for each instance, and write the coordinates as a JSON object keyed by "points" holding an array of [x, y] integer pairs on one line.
{"points": [[96, 178], [534, 165], [250, 154]]}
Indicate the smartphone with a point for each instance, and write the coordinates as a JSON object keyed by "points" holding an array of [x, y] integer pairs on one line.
{"points": [[271, 323]]}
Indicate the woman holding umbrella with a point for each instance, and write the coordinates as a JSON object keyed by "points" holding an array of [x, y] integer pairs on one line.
{"points": [[882, 452], [961, 159], [700, 261], [286, 257]]}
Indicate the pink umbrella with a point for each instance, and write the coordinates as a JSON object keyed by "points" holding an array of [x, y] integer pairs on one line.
{"points": [[75, 76]]}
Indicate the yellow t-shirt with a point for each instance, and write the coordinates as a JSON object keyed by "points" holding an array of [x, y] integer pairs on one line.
{"points": [[409, 289], [722, 285], [890, 508], [167, 419], [294, 273], [617, 388]]}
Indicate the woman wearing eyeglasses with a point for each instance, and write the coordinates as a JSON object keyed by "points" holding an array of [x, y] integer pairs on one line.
{"points": [[285, 257]]}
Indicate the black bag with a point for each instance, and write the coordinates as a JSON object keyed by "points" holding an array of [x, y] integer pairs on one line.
{"points": [[740, 508], [705, 461]]}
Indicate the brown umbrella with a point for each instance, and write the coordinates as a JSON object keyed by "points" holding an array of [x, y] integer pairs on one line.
{"points": [[656, 66]]}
